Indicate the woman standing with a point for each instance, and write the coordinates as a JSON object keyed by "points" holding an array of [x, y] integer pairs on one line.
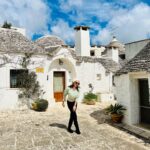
{"points": [[71, 94]]}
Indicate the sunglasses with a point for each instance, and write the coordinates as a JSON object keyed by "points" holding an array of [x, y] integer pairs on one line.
{"points": [[77, 83]]}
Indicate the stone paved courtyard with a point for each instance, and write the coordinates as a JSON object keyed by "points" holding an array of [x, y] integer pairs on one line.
{"points": [[29, 130]]}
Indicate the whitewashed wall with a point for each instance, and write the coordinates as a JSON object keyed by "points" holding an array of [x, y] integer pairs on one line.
{"points": [[9, 96], [127, 92], [123, 94], [85, 72], [98, 50]]}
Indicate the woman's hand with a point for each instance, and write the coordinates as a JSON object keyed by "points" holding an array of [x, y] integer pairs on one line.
{"points": [[74, 108], [63, 104]]}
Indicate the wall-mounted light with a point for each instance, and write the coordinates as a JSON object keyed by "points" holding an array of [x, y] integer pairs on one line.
{"points": [[60, 62]]}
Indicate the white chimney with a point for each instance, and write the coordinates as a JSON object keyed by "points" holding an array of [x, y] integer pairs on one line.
{"points": [[115, 54], [113, 49], [82, 41]]}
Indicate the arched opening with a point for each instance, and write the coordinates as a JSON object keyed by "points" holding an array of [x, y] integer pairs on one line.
{"points": [[61, 72]]}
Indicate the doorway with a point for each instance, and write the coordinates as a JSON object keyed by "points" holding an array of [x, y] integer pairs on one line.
{"points": [[59, 85], [144, 101]]}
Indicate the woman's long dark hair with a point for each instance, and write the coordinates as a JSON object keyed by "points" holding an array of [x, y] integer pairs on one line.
{"points": [[71, 86]]}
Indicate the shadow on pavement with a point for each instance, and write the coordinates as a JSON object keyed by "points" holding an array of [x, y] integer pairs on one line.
{"points": [[62, 126], [102, 117]]}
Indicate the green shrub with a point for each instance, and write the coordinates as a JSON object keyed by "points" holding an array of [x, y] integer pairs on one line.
{"points": [[7, 25], [90, 96], [115, 109], [40, 105]]}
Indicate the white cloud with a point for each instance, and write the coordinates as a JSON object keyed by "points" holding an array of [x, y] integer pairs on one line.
{"points": [[30, 14], [103, 37], [67, 5], [63, 30], [84, 10], [130, 26], [128, 23], [127, 3]]}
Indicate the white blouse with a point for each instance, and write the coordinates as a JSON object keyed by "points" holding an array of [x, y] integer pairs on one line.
{"points": [[71, 95]]}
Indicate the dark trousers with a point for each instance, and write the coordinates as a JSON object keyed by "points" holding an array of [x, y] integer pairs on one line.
{"points": [[73, 116]]}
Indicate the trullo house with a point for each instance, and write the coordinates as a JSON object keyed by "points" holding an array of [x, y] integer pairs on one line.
{"points": [[57, 65]]}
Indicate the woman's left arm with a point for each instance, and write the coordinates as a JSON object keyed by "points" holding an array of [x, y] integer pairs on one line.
{"points": [[76, 102], [75, 106]]}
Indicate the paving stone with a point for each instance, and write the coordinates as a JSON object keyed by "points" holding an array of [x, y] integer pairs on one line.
{"points": [[7, 147], [42, 142], [43, 148], [30, 130], [7, 140]]}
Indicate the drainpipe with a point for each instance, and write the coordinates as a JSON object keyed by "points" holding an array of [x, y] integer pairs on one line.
{"points": [[149, 87]]}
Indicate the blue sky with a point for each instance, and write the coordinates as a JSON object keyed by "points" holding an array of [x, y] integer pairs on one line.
{"points": [[128, 20]]}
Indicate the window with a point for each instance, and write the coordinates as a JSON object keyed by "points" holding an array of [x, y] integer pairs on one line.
{"points": [[17, 77], [113, 83], [92, 53], [122, 56]]}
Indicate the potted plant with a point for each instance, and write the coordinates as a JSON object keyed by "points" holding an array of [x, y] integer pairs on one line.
{"points": [[40, 105], [90, 98], [116, 111]]}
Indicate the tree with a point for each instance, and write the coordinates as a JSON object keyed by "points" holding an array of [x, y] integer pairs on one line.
{"points": [[7, 25], [30, 87]]}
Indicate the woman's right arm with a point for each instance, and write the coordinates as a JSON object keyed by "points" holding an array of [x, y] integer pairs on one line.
{"points": [[65, 95]]}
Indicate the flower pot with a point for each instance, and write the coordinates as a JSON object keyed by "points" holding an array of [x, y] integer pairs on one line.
{"points": [[90, 102], [116, 118]]}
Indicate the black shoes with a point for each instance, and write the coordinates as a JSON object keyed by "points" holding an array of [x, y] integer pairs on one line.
{"points": [[70, 130], [78, 132]]}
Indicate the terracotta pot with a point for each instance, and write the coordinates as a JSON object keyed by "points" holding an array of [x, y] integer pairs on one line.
{"points": [[90, 102], [116, 118]]}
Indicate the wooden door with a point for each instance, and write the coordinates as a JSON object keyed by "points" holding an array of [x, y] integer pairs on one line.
{"points": [[144, 101], [59, 85]]}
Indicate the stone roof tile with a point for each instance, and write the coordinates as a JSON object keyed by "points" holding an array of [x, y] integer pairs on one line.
{"points": [[13, 41], [49, 40], [108, 64], [141, 62]]}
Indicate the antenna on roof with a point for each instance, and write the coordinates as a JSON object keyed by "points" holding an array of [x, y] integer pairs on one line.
{"points": [[112, 31]]}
